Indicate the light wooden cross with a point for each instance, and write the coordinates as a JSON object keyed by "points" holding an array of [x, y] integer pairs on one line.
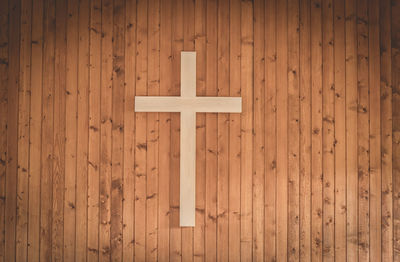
{"points": [[188, 105]]}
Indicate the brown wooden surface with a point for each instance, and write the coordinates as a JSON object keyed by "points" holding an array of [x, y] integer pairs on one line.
{"points": [[309, 171]]}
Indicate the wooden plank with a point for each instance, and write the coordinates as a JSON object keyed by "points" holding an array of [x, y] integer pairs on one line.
{"points": [[375, 225], [58, 171], [140, 134], [128, 204], [188, 44], [82, 132], [153, 88], [223, 133], [340, 130], [106, 131], [351, 126], [94, 134], [395, 41], [293, 131], [234, 134], [328, 132], [3, 119], [386, 129], [118, 84], [281, 131], [246, 82], [164, 139], [305, 131], [363, 130], [175, 248], [12, 131], [23, 131], [316, 129], [47, 132], [35, 131], [270, 131], [200, 47], [259, 129], [211, 134], [71, 101]]}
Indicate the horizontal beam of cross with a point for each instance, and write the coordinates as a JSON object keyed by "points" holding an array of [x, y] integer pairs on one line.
{"points": [[188, 104]]}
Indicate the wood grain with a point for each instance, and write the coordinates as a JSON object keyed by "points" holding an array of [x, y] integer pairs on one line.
{"points": [[211, 130], [35, 131], [281, 131], [58, 171], [94, 133], [4, 36], [246, 135], [46, 186], [165, 138], [308, 171], [305, 132], [340, 130], [270, 132], [23, 131], [351, 126]]}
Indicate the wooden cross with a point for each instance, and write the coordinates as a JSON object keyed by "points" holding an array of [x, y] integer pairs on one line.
{"points": [[188, 105]]}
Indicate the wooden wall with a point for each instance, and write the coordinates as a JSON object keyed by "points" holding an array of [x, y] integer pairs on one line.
{"points": [[309, 171]]}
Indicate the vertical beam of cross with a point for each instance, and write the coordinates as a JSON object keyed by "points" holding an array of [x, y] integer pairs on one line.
{"points": [[187, 201], [188, 104]]}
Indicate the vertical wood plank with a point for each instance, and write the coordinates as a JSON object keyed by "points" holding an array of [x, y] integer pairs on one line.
{"points": [[316, 129], [340, 130], [153, 88], [351, 126], [175, 248], [47, 132], [128, 204], [305, 131], [82, 132], [94, 134], [58, 169], [23, 131], [12, 131], [375, 225], [246, 82], [118, 84], [270, 131], [281, 130], [140, 139], [165, 125], [106, 131], [223, 133], [71, 100], [35, 131], [259, 136], [4, 36], [363, 130], [211, 134], [200, 47], [234, 134], [293, 131], [188, 45], [396, 125], [328, 132], [386, 128]]}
